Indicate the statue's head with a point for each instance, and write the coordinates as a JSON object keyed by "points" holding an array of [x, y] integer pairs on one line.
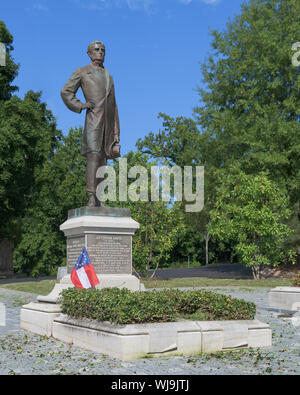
{"points": [[96, 51]]}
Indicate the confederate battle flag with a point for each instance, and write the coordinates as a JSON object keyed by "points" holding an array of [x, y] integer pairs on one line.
{"points": [[83, 274]]}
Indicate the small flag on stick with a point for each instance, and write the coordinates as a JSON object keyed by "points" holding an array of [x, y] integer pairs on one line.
{"points": [[83, 274]]}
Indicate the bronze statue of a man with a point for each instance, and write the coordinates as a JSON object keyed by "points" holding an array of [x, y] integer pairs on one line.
{"points": [[101, 130]]}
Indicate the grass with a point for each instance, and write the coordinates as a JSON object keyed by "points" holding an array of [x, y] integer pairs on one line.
{"points": [[211, 282], [45, 287]]}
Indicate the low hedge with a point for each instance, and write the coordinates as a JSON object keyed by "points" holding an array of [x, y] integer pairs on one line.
{"points": [[122, 306]]}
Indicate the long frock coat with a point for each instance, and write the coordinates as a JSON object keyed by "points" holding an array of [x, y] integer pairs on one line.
{"points": [[102, 122]]}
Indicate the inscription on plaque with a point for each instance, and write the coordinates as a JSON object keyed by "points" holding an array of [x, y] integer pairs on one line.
{"points": [[74, 249], [110, 254]]}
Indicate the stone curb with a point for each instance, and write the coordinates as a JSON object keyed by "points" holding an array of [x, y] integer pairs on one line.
{"points": [[132, 341], [285, 298]]}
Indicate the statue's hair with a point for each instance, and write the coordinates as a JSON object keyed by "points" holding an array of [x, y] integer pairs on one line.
{"points": [[93, 44]]}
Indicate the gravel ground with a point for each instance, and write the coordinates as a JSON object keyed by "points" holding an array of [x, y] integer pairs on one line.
{"points": [[24, 353]]}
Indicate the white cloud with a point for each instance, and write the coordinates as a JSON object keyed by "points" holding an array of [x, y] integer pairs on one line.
{"points": [[149, 6], [37, 7], [139, 4], [133, 5], [186, 2], [211, 1]]}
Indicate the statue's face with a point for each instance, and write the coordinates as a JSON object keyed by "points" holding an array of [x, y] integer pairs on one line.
{"points": [[97, 53]]}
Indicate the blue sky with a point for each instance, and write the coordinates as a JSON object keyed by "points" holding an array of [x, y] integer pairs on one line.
{"points": [[153, 50]]}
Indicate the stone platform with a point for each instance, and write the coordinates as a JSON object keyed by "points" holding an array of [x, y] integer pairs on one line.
{"points": [[285, 298], [132, 341]]}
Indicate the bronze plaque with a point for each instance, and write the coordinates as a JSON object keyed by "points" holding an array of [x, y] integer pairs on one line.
{"points": [[110, 254], [74, 249]]}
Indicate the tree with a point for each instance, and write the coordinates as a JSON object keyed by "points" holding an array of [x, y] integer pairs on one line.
{"points": [[160, 227], [178, 143], [160, 222], [8, 72], [181, 143], [252, 210], [249, 115], [59, 185], [28, 138], [251, 97]]}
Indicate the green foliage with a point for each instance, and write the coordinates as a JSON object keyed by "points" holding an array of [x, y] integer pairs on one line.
{"points": [[122, 306], [28, 141], [59, 185], [28, 137], [251, 210], [179, 142], [249, 115], [293, 240], [161, 222], [160, 227], [251, 95], [8, 72], [249, 120]]}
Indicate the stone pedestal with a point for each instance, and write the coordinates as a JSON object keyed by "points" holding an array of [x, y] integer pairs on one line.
{"points": [[106, 233]]}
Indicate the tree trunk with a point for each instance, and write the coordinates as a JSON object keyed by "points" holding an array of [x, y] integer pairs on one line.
{"points": [[146, 244], [137, 273], [256, 268], [256, 272], [157, 264], [151, 244]]}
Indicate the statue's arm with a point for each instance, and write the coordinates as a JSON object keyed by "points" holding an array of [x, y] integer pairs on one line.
{"points": [[117, 125], [117, 121], [68, 93]]}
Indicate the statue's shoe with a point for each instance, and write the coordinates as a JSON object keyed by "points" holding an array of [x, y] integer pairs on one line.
{"points": [[100, 204], [92, 202]]}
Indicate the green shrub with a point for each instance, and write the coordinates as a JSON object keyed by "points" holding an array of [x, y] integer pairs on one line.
{"points": [[122, 306]]}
